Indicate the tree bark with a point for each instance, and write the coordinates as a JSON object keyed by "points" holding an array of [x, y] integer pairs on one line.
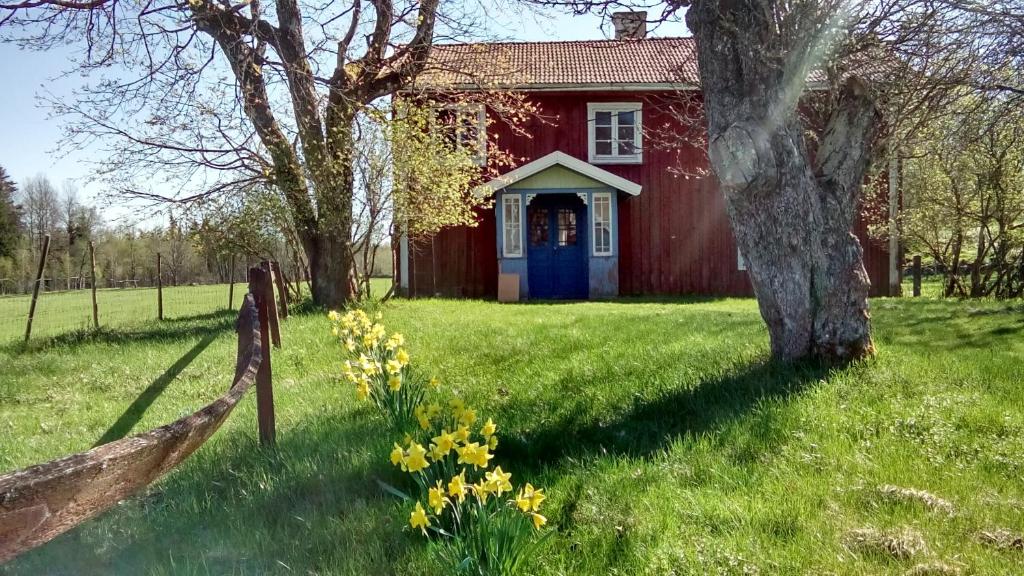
{"points": [[792, 215]]}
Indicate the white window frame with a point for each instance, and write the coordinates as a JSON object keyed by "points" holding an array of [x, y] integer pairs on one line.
{"points": [[599, 198], [508, 200], [741, 262], [479, 112], [614, 108]]}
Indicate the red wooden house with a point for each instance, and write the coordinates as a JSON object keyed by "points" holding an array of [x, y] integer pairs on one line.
{"points": [[596, 209]]}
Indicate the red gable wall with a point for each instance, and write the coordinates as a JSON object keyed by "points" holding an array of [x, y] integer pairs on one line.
{"points": [[674, 238]]}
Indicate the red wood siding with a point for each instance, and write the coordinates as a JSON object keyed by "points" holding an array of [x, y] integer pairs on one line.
{"points": [[674, 238], [459, 262]]}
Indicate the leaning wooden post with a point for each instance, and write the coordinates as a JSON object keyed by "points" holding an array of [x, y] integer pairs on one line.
{"points": [[95, 305], [275, 326], [263, 293], [35, 289], [282, 292], [917, 276], [159, 289], [231, 285]]}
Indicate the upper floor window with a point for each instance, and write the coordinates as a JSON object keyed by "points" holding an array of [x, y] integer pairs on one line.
{"points": [[614, 132], [465, 125]]}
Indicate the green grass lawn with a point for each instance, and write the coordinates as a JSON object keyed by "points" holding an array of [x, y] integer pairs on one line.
{"points": [[666, 442]]}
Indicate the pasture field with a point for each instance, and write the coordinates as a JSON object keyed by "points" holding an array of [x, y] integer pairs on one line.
{"points": [[666, 441], [62, 312]]}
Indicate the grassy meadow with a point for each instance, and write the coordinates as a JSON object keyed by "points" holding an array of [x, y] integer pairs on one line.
{"points": [[665, 440], [59, 313]]}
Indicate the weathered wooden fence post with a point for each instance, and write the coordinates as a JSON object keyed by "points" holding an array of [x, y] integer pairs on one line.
{"points": [[282, 291], [263, 292], [159, 288], [275, 327], [95, 305], [231, 284], [35, 289], [917, 276]]}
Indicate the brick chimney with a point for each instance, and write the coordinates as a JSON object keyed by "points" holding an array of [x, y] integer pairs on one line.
{"points": [[630, 25]]}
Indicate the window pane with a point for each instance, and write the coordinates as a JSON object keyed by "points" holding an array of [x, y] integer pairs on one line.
{"points": [[603, 118], [602, 224], [512, 232], [626, 148], [603, 133], [604, 239], [538, 227], [603, 148], [627, 118], [566, 227], [626, 133]]}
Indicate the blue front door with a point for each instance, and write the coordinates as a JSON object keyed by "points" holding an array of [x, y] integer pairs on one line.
{"points": [[557, 247]]}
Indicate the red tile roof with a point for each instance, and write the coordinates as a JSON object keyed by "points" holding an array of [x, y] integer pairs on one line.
{"points": [[527, 65]]}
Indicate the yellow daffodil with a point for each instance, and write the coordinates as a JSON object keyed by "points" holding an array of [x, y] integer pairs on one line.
{"points": [[474, 454], [393, 366], [366, 365], [349, 374], [402, 356], [435, 498], [334, 330], [394, 341], [538, 520], [362, 390], [530, 498], [433, 383], [398, 456], [416, 460], [492, 442], [467, 417], [457, 487], [445, 442], [499, 481], [462, 434], [433, 410], [522, 502], [482, 490], [489, 428], [350, 344], [333, 316], [457, 406], [418, 518], [395, 382], [421, 416]]}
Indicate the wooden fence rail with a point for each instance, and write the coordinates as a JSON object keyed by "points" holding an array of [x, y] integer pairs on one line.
{"points": [[44, 501]]}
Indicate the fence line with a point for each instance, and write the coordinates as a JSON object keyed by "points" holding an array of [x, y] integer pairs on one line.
{"points": [[50, 313], [43, 501]]}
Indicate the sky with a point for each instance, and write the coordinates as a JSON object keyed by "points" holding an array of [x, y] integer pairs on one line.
{"points": [[29, 138]]}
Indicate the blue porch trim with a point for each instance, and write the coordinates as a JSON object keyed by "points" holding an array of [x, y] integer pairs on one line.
{"points": [[603, 269]]}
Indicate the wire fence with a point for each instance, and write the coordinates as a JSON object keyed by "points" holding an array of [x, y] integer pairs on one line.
{"points": [[60, 311]]}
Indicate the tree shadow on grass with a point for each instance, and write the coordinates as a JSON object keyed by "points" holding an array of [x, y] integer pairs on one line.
{"points": [[138, 408], [647, 427], [308, 505]]}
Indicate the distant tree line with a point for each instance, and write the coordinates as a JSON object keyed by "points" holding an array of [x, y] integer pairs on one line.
{"points": [[194, 250]]}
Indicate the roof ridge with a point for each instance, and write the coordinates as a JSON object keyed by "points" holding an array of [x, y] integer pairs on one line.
{"points": [[536, 42]]}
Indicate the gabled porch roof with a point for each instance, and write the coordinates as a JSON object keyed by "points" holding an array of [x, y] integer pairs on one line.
{"points": [[562, 159]]}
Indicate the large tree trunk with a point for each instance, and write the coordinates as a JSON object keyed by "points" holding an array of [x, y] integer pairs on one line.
{"points": [[792, 216]]}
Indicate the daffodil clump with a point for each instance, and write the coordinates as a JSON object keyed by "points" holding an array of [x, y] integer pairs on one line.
{"points": [[481, 523], [378, 365]]}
